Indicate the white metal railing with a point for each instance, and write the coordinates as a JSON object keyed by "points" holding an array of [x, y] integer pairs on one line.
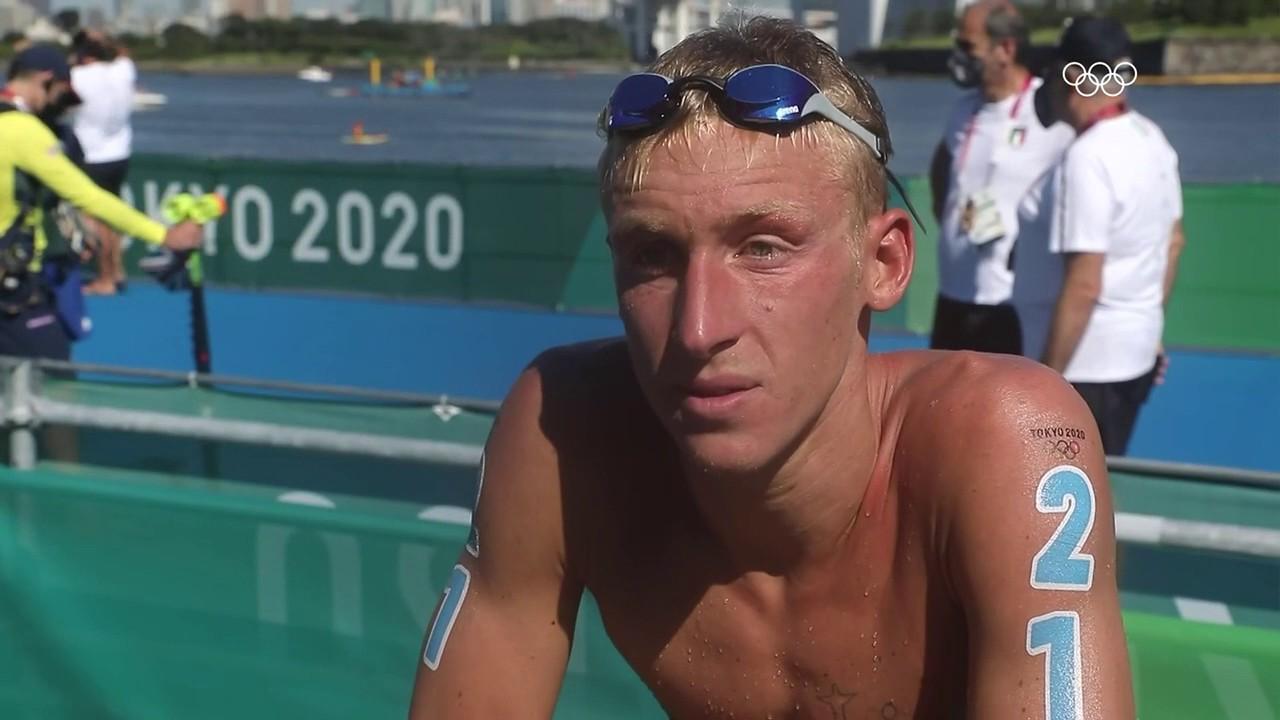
{"points": [[25, 408]]}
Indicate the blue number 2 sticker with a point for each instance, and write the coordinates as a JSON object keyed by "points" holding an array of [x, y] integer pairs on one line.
{"points": [[1060, 565], [1056, 635], [454, 593]]}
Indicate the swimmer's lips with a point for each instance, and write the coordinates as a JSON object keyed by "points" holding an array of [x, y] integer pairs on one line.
{"points": [[715, 398]]}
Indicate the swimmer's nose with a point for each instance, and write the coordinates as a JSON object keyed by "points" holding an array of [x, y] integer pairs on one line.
{"points": [[706, 320]]}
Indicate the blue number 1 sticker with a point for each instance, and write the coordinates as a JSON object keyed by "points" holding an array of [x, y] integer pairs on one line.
{"points": [[454, 593], [1056, 635], [1060, 565]]}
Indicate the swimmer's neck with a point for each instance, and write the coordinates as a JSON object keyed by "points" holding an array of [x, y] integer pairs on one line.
{"points": [[1012, 82], [797, 516]]}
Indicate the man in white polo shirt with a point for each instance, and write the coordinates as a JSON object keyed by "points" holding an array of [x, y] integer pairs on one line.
{"points": [[104, 79], [1099, 252], [993, 151]]}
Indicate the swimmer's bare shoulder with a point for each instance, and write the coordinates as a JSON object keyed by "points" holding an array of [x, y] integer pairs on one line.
{"points": [[1007, 457], [509, 636]]}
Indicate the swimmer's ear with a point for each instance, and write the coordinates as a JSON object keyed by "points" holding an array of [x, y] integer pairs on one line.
{"points": [[890, 258]]}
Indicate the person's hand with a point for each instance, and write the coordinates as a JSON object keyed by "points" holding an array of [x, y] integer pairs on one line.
{"points": [[184, 236], [1162, 364]]}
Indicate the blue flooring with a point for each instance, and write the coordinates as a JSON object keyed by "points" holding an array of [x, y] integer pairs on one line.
{"points": [[1215, 408]]}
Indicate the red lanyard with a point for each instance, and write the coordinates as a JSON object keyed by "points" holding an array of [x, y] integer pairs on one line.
{"points": [[1110, 111], [968, 129]]}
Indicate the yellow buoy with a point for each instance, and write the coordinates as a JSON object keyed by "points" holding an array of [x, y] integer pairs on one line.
{"points": [[429, 69], [375, 72]]}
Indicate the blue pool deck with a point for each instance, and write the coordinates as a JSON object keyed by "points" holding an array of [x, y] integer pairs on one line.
{"points": [[1216, 408]]}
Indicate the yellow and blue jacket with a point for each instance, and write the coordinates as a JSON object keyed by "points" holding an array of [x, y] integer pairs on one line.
{"points": [[30, 151]]}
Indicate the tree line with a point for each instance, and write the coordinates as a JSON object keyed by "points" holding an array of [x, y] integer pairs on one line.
{"points": [[332, 41]]}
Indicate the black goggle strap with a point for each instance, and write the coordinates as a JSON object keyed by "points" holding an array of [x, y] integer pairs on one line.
{"points": [[905, 198]]}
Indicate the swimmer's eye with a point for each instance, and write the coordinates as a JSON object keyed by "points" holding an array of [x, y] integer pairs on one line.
{"points": [[760, 251]]}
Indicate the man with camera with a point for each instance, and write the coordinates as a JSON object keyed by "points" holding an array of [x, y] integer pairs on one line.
{"points": [[33, 166]]}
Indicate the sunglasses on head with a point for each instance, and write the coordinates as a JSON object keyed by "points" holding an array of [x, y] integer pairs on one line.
{"points": [[763, 97]]}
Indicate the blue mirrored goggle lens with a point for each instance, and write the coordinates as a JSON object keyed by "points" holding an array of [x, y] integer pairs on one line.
{"points": [[639, 101], [768, 94]]}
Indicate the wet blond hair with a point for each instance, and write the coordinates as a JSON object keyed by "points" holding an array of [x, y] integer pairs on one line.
{"points": [[739, 42]]}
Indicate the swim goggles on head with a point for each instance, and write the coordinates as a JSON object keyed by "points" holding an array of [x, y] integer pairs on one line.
{"points": [[767, 97]]}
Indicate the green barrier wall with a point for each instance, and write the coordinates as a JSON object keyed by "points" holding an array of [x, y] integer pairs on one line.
{"points": [[536, 237], [1150, 577], [128, 595]]}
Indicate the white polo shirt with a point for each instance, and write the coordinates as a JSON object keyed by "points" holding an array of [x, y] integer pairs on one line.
{"points": [[101, 123], [999, 147], [1116, 192]]}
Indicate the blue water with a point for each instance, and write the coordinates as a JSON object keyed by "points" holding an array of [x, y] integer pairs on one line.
{"points": [[1215, 408], [1222, 134]]}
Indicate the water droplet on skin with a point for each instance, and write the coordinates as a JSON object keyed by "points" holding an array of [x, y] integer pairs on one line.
{"points": [[875, 658], [875, 643], [810, 628], [866, 593], [726, 601]]}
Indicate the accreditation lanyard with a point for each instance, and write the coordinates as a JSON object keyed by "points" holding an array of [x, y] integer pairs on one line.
{"points": [[963, 155]]}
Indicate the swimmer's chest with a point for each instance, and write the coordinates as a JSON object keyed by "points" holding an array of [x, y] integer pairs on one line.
{"points": [[868, 638]]}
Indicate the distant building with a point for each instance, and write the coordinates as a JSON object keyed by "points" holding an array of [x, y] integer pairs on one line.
{"points": [[466, 13], [519, 12], [373, 9], [247, 9], [653, 26], [278, 9], [677, 20], [258, 9], [43, 8], [15, 15]]}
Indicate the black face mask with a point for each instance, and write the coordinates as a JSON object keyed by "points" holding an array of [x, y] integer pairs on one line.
{"points": [[965, 69]]}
